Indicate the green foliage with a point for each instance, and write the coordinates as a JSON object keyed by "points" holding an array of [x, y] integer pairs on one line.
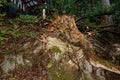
{"points": [[117, 17], [2, 16], [97, 36], [92, 11], [55, 49], [2, 38], [98, 10], [26, 19], [11, 32], [2, 34], [92, 14], [10, 22], [117, 12], [49, 65], [31, 34], [3, 2], [62, 6], [55, 6], [12, 78], [15, 33], [37, 10], [6, 3]]}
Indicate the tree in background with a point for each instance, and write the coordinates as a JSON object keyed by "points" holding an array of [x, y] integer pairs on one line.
{"points": [[108, 18]]}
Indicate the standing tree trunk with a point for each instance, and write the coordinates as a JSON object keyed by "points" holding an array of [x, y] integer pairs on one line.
{"points": [[108, 18]]}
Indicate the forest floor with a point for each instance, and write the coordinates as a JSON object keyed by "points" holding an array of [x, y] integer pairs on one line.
{"points": [[12, 36]]}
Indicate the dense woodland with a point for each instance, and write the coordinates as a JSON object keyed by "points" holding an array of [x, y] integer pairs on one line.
{"points": [[59, 39]]}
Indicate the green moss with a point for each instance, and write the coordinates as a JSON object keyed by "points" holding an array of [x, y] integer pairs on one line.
{"points": [[100, 60], [12, 78], [104, 62], [55, 49], [58, 75], [49, 65]]}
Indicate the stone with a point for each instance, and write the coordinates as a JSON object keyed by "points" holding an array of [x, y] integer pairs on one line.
{"points": [[10, 62]]}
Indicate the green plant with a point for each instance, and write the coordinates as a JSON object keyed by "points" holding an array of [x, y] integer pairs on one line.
{"points": [[37, 10], [10, 22], [32, 34], [26, 19], [49, 65], [2, 2], [6, 3], [13, 32], [55, 49], [12, 78], [2, 34], [2, 16], [61, 6], [97, 36]]}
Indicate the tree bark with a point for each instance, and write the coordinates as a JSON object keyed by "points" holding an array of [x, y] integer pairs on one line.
{"points": [[83, 56], [108, 18]]}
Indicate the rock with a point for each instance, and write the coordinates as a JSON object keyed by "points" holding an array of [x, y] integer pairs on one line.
{"points": [[10, 62]]}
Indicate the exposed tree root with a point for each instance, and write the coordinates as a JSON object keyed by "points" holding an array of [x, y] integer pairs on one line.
{"points": [[66, 25]]}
